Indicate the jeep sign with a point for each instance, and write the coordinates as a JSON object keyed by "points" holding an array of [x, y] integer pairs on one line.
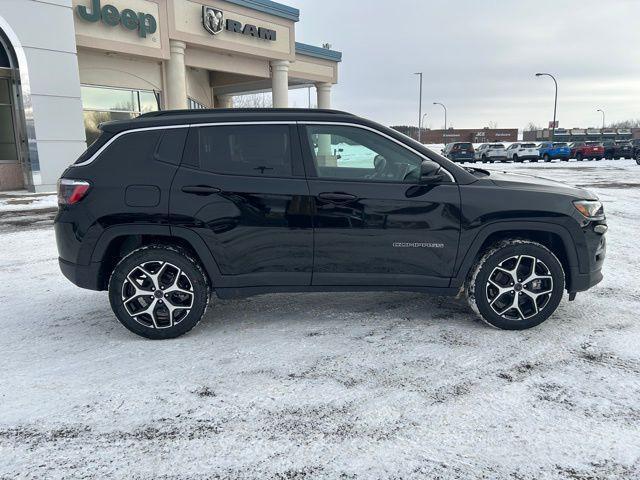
{"points": [[144, 23]]}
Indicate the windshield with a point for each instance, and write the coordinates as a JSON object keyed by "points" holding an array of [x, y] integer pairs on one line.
{"points": [[496, 145], [528, 145], [560, 144]]}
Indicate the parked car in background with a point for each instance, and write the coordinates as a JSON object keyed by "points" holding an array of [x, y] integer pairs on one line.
{"points": [[636, 149], [554, 150], [616, 149], [588, 150], [459, 152], [491, 152], [519, 152]]}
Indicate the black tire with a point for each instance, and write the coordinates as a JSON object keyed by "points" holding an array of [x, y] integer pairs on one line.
{"points": [[484, 158], [638, 158], [176, 270], [515, 158], [546, 157], [579, 157], [479, 289]]}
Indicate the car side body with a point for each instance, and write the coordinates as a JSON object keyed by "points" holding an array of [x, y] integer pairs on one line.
{"points": [[521, 151], [554, 150], [459, 152], [617, 149], [298, 225], [491, 152], [587, 150]]}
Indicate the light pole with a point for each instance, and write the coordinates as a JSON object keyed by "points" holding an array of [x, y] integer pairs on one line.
{"points": [[420, 109], [422, 122], [602, 112], [555, 102], [445, 116]]}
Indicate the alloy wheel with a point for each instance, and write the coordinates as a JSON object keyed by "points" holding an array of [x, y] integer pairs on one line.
{"points": [[519, 287], [157, 294]]}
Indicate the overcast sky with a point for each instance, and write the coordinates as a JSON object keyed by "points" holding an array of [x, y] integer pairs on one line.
{"points": [[479, 58]]}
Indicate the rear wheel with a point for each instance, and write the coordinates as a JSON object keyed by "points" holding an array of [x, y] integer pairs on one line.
{"points": [[158, 292], [516, 284], [546, 157]]}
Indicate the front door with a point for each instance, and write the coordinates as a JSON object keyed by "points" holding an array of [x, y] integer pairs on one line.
{"points": [[242, 189], [374, 223]]}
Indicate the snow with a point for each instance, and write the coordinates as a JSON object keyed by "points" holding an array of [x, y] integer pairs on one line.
{"points": [[292, 386], [20, 201]]}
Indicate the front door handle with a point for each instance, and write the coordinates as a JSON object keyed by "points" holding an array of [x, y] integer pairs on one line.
{"points": [[337, 197], [200, 189]]}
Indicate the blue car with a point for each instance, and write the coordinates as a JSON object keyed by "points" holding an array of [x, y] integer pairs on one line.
{"points": [[459, 152], [553, 150]]}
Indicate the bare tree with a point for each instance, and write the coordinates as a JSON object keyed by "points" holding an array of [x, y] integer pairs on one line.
{"points": [[253, 100], [532, 127], [492, 125]]}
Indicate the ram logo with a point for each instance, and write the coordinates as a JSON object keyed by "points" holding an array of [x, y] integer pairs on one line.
{"points": [[212, 19]]}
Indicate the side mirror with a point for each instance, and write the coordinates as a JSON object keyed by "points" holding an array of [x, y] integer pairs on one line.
{"points": [[431, 172]]}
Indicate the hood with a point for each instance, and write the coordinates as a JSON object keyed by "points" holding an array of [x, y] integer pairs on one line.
{"points": [[530, 182]]}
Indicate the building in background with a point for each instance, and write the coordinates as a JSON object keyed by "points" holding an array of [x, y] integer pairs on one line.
{"points": [[474, 135], [582, 134], [68, 65]]}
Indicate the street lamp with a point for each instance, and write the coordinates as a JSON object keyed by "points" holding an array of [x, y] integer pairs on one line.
{"points": [[422, 122], [602, 112], [420, 109], [555, 103], [445, 113]]}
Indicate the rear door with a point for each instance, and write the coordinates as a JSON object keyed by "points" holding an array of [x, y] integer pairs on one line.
{"points": [[241, 188], [374, 224]]}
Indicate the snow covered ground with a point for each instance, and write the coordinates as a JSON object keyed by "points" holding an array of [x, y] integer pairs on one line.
{"points": [[353, 385]]}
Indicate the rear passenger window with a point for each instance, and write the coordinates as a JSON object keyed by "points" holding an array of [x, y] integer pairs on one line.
{"points": [[252, 150], [171, 145]]}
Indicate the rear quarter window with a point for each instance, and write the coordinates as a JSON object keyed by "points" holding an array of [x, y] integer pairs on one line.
{"points": [[97, 144]]}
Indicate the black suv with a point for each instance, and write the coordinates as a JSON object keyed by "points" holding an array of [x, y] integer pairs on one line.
{"points": [[163, 209], [617, 149]]}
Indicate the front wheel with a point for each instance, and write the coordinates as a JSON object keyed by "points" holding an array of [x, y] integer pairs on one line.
{"points": [[546, 158], [158, 292], [516, 284], [579, 157]]}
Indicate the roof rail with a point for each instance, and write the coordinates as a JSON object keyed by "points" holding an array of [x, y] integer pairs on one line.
{"points": [[209, 111]]}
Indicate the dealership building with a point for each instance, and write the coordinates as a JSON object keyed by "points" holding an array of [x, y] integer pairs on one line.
{"points": [[68, 65]]}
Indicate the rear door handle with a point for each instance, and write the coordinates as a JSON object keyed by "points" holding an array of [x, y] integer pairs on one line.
{"points": [[336, 197], [200, 189]]}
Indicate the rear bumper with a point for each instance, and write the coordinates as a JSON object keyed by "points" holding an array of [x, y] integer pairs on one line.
{"points": [[84, 276], [528, 157]]}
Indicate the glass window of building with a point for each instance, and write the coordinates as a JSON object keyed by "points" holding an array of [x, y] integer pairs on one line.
{"points": [[102, 104], [195, 105]]}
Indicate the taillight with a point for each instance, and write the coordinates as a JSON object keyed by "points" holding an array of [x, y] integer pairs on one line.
{"points": [[71, 191]]}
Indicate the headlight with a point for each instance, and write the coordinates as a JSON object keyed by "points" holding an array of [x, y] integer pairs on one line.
{"points": [[590, 209]]}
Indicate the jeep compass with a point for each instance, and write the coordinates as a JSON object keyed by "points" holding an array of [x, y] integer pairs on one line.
{"points": [[165, 209]]}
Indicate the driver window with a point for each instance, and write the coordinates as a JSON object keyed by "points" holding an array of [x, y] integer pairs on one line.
{"points": [[351, 153]]}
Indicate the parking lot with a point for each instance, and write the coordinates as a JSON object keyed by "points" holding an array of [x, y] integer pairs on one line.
{"points": [[347, 385]]}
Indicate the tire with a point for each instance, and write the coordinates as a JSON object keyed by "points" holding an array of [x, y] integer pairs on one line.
{"points": [[546, 157], [496, 308], [174, 271], [515, 158], [579, 157], [484, 159]]}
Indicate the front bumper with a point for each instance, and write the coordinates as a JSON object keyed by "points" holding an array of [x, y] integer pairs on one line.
{"points": [[581, 281]]}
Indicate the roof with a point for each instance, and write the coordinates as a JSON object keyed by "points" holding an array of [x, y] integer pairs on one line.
{"points": [[186, 117], [270, 7], [318, 52]]}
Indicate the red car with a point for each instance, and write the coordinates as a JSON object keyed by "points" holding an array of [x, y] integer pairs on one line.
{"points": [[588, 150]]}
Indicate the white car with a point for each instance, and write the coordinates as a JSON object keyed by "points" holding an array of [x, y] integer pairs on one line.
{"points": [[491, 152], [519, 152]]}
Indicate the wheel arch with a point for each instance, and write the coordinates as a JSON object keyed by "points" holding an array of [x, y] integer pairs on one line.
{"points": [[116, 242], [555, 237]]}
